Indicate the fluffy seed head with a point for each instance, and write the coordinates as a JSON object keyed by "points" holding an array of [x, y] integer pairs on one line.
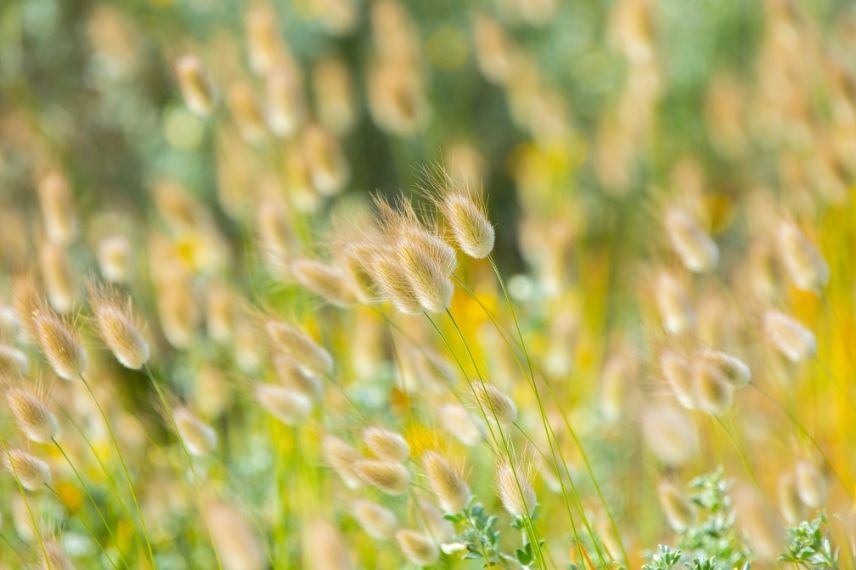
{"points": [[220, 314], [325, 547], [391, 478], [343, 458], [386, 444], [732, 369], [789, 336], [678, 373], [812, 485], [670, 434], [57, 205], [697, 251], [32, 415], [515, 490], [394, 284], [234, 538], [396, 98], [417, 547], [328, 168], [57, 559], [678, 510], [326, 281], [114, 259], [287, 405], [673, 304], [195, 86], [790, 504], [285, 111], [379, 522], [13, 362], [263, 44], [292, 376], [458, 422], [430, 283], [32, 472], [298, 346], [60, 343], [334, 99], [472, 229], [177, 310], [714, 393], [446, 482], [801, 258], [494, 403], [118, 328], [199, 438], [247, 113], [56, 273], [357, 262]]}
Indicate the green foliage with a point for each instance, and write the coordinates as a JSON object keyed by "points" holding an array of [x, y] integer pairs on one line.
{"points": [[809, 545]]}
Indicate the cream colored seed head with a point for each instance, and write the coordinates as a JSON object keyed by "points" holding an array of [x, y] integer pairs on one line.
{"points": [[237, 544], [678, 510], [673, 304], [394, 284], [199, 438], [379, 522], [57, 559], [472, 230], [119, 331], [291, 376], [448, 484], [495, 405], [32, 472], [714, 393], [60, 343], [790, 504], [32, 415], [13, 362], [285, 112], [334, 99], [670, 434], [697, 251], [288, 406], [263, 42], [678, 373], [357, 261], [789, 336], [324, 547], [417, 547], [220, 314], [812, 485], [390, 477], [458, 422], [56, 273], [328, 167], [114, 259], [326, 281], [298, 346], [732, 369], [247, 113], [515, 490], [195, 86], [801, 258], [396, 98], [57, 206], [430, 283], [386, 444], [343, 458]]}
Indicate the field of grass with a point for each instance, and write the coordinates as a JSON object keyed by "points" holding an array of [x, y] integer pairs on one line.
{"points": [[392, 284]]}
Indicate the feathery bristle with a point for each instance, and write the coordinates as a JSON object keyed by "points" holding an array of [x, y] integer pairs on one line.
{"points": [[417, 547], [118, 327], [472, 229], [494, 404], [60, 344], [298, 346], [390, 477], [446, 482], [32, 415], [343, 458], [515, 490], [199, 438], [31, 472], [386, 444], [326, 281]]}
